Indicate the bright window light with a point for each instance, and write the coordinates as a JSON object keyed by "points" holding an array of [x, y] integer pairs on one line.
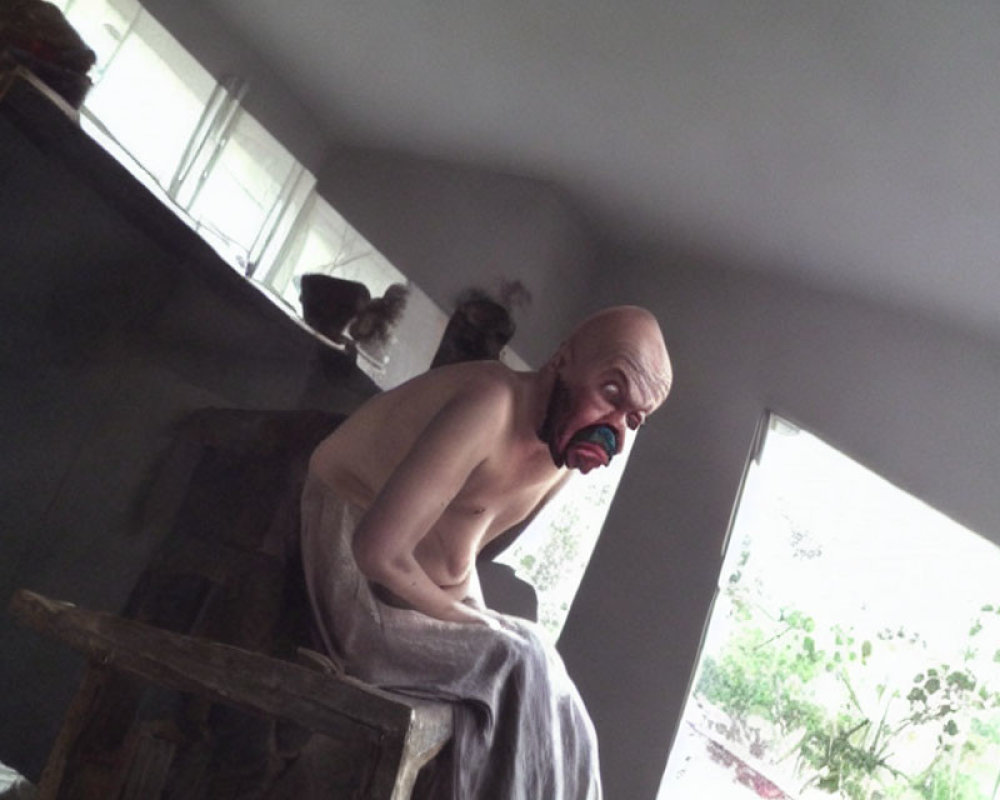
{"points": [[186, 136], [235, 198], [853, 650], [150, 95], [553, 552]]}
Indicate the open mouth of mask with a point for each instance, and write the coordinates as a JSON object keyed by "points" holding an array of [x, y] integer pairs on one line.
{"points": [[600, 435]]}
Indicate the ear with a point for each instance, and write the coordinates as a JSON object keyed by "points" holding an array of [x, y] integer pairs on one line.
{"points": [[563, 355], [559, 358]]}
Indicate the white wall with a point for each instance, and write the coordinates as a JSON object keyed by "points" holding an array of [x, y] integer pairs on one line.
{"points": [[915, 402]]}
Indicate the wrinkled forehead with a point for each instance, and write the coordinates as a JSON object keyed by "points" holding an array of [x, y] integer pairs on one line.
{"points": [[629, 338], [642, 363]]}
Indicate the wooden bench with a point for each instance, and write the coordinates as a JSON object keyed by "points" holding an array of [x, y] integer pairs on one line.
{"points": [[398, 734]]}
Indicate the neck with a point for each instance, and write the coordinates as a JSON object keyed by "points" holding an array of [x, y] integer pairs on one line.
{"points": [[539, 393]]}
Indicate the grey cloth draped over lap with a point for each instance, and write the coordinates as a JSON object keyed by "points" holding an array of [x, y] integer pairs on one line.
{"points": [[521, 730]]}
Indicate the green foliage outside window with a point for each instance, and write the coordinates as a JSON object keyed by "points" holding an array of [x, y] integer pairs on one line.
{"points": [[790, 687], [553, 565]]}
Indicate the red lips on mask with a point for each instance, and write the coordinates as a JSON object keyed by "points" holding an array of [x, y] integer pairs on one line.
{"points": [[591, 447]]}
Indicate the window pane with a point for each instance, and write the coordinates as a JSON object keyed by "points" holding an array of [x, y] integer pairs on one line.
{"points": [[150, 97], [853, 649], [553, 552], [243, 185]]}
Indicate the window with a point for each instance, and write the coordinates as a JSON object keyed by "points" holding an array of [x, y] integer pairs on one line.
{"points": [[148, 93], [323, 241], [187, 137], [853, 650], [553, 552]]}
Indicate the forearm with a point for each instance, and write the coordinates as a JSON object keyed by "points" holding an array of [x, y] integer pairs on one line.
{"points": [[405, 580], [472, 593]]}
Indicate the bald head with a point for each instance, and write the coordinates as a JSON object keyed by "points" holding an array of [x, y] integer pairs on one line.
{"points": [[629, 334]]}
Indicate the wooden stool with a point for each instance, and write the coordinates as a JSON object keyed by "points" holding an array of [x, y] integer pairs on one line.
{"points": [[398, 734]]}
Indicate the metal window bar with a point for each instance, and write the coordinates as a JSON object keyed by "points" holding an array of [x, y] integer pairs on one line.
{"points": [[209, 139]]}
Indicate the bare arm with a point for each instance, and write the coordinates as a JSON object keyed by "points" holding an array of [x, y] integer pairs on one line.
{"points": [[455, 442]]}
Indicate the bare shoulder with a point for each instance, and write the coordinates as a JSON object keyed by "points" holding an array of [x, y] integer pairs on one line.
{"points": [[477, 401], [469, 375], [467, 400], [487, 382], [483, 384]]}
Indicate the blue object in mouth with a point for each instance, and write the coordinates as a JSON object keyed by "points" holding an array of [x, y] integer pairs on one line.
{"points": [[602, 435]]}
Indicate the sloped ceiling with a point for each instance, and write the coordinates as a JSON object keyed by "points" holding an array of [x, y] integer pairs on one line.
{"points": [[853, 144]]}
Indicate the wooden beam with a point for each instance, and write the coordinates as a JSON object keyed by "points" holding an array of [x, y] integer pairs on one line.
{"points": [[258, 683]]}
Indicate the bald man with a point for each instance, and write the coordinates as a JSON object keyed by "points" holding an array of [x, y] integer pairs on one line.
{"points": [[406, 493]]}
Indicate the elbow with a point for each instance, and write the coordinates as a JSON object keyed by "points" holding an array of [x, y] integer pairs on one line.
{"points": [[367, 557], [375, 561]]}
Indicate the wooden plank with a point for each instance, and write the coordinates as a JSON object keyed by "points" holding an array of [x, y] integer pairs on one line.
{"points": [[423, 742], [149, 766], [395, 772], [322, 703], [405, 732], [94, 680], [11, 78]]}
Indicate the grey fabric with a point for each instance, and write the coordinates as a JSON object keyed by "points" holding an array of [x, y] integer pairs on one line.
{"points": [[521, 730]]}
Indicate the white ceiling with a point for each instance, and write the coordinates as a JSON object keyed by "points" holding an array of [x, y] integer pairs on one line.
{"points": [[856, 144]]}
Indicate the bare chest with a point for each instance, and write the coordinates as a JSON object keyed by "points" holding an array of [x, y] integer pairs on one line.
{"points": [[505, 489], [495, 499]]}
